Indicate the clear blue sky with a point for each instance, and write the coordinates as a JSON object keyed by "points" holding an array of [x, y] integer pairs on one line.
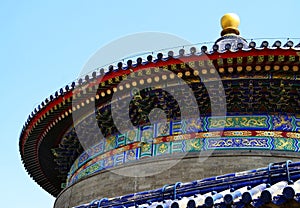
{"points": [[44, 45]]}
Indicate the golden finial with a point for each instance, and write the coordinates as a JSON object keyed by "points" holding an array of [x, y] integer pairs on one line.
{"points": [[230, 23]]}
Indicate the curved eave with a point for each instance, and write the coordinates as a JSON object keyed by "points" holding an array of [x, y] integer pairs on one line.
{"points": [[49, 117]]}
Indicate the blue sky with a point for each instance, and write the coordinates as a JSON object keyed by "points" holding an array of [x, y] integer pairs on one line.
{"points": [[45, 44]]}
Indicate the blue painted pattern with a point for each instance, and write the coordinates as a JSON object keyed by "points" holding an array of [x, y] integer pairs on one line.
{"points": [[183, 136]]}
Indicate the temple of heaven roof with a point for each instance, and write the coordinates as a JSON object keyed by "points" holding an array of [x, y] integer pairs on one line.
{"points": [[157, 132]]}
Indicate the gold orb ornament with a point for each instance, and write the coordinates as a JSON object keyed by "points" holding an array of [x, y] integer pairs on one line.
{"points": [[230, 23]]}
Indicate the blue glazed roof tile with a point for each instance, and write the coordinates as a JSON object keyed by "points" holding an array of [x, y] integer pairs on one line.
{"points": [[265, 187]]}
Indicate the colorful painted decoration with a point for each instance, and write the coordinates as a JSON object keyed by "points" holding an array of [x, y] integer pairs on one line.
{"points": [[257, 132]]}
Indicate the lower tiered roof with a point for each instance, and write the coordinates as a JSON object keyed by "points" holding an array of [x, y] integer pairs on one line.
{"points": [[277, 185]]}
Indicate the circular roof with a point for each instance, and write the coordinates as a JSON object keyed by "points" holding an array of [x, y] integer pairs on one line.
{"points": [[46, 127]]}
